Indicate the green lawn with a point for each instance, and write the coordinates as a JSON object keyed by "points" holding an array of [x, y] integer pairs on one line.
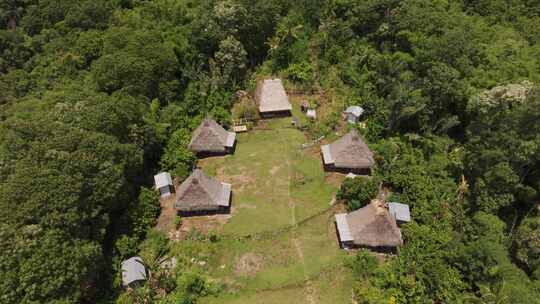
{"points": [[276, 185]]}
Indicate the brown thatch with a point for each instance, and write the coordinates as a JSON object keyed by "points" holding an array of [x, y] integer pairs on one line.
{"points": [[350, 151], [202, 193], [271, 97], [373, 226], [210, 137]]}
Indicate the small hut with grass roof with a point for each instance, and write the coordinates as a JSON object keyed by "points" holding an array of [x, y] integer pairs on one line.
{"points": [[348, 154], [272, 99], [369, 227], [200, 194], [212, 139]]}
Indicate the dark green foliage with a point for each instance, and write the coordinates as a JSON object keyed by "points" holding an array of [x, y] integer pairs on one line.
{"points": [[503, 152], [97, 96], [358, 191], [138, 62], [527, 243], [177, 158], [145, 212]]}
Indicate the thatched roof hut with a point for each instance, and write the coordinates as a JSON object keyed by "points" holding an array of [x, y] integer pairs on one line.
{"points": [[201, 193], [371, 226], [349, 153], [272, 98], [210, 137]]}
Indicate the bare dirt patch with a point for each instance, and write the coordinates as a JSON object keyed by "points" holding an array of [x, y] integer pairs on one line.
{"points": [[165, 221], [204, 224], [274, 170], [314, 151], [248, 264], [335, 179], [238, 181]]}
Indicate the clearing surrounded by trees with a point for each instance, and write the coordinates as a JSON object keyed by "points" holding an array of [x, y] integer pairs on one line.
{"points": [[280, 242]]}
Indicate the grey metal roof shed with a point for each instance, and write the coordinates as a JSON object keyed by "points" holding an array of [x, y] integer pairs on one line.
{"points": [[133, 270], [164, 184], [353, 113], [400, 211]]}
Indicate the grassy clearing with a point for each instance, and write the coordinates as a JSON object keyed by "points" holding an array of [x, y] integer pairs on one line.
{"points": [[276, 184]]}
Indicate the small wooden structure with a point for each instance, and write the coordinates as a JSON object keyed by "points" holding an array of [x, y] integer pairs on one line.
{"points": [[200, 194], [133, 272], [212, 139], [400, 212], [369, 227], [304, 106], [164, 184], [348, 154], [240, 129], [272, 99], [240, 125], [353, 114], [311, 114]]}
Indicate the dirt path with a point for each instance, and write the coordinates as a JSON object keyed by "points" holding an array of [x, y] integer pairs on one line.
{"points": [[165, 222], [309, 290]]}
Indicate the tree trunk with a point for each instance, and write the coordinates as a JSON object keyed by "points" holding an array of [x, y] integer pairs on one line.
{"points": [[12, 23]]}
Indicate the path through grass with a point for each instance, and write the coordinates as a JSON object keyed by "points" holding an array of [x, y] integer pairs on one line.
{"points": [[276, 185]]}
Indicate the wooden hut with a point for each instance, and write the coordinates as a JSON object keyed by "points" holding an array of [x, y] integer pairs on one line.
{"points": [[212, 139], [369, 227], [133, 272], [272, 99], [164, 184], [201, 194], [348, 154]]}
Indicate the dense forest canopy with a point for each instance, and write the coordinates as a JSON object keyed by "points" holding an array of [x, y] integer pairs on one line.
{"points": [[96, 96]]}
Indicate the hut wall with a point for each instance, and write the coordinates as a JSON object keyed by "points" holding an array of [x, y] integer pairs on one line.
{"points": [[212, 154], [399, 223], [357, 171], [166, 191], [379, 249], [219, 210], [275, 114]]}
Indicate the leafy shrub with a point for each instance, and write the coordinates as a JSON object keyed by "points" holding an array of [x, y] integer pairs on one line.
{"points": [[177, 159], [246, 108], [177, 221], [358, 191], [126, 246], [301, 72], [145, 212]]}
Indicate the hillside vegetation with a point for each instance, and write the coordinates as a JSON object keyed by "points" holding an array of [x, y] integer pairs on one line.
{"points": [[96, 96]]}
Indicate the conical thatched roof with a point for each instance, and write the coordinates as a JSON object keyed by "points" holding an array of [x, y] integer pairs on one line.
{"points": [[272, 97], [202, 193], [211, 137], [373, 226], [350, 151]]}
